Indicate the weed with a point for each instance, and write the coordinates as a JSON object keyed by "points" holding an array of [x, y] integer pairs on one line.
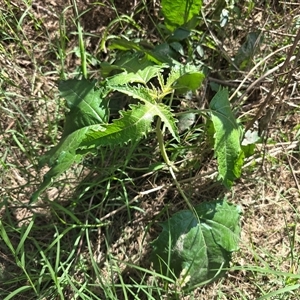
{"points": [[147, 143]]}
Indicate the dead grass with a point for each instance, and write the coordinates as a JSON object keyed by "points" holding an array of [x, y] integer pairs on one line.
{"points": [[31, 117]]}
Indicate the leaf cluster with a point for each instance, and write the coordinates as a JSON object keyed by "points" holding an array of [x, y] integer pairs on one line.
{"points": [[87, 123], [196, 244]]}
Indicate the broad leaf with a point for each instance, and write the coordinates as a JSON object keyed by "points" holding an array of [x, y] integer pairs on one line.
{"points": [[125, 45], [88, 109], [226, 139], [107, 69], [198, 245], [87, 105], [151, 55], [132, 62], [62, 156], [185, 78], [166, 52], [181, 13], [189, 82], [179, 35]]}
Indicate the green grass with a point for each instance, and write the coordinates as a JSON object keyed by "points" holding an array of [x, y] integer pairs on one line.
{"points": [[89, 237]]}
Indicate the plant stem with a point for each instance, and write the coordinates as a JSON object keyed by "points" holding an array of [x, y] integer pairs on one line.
{"points": [[82, 51], [80, 41], [187, 201], [169, 163], [161, 143]]}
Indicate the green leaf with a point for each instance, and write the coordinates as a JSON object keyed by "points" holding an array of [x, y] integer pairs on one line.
{"points": [[125, 45], [132, 126], [189, 82], [158, 109], [179, 35], [227, 139], [197, 245], [177, 47], [87, 110], [141, 76], [178, 13], [185, 78], [134, 61], [165, 53], [87, 105], [62, 156], [107, 69]]}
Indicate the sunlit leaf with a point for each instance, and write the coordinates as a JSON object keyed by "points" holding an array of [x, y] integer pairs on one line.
{"points": [[181, 13], [198, 245], [227, 138]]}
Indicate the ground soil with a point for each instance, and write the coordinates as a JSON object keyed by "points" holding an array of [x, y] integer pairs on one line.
{"points": [[268, 191]]}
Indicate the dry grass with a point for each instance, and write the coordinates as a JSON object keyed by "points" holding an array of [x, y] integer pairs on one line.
{"points": [[38, 48]]}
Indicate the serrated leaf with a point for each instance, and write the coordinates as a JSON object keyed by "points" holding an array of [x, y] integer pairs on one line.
{"points": [[167, 118], [178, 13], [88, 109], [198, 244], [141, 93], [62, 156], [158, 109], [141, 76], [87, 105], [132, 126], [226, 139]]}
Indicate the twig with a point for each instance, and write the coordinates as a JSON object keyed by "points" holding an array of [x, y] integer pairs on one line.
{"points": [[216, 40], [207, 175], [292, 169], [260, 79], [283, 69], [254, 68]]}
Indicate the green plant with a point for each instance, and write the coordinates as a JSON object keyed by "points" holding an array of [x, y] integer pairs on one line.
{"points": [[140, 88], [199, 244]]}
